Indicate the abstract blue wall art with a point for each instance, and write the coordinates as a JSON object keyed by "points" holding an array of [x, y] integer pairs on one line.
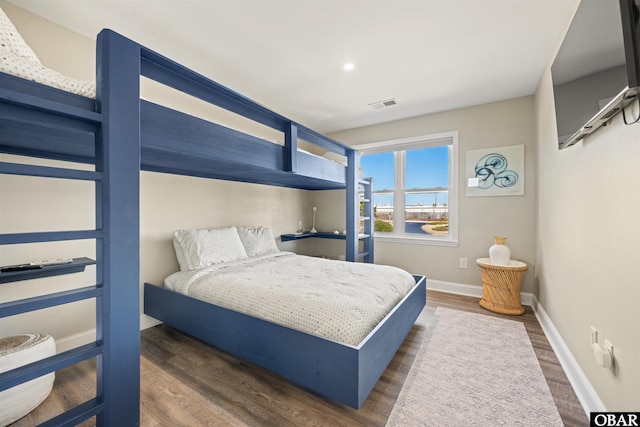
{"points": [[495, 171], [492, 170]]}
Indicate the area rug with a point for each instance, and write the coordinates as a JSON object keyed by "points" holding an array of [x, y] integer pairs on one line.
{"points": [[475, 370]]}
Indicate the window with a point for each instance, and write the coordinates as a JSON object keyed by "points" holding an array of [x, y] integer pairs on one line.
{"points": [[414, 188]]}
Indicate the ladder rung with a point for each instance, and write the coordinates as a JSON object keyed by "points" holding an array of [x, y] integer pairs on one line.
{"points": [[49, 106], [44, 366], [44, 301], [75, 415], [362, 254], [49, 236], [48, 172]]}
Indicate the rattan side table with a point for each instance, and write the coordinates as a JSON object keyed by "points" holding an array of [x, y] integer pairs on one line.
{"points": [[501, 286]]}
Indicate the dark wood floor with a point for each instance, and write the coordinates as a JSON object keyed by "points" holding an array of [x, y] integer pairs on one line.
{"points": [[185, 382]]}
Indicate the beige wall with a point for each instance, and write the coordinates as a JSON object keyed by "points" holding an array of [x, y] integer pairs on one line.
{"points": [[168, 202], [480, 218], [588, 246]]}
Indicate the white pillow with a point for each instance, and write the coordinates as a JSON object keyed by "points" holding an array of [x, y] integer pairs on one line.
{"points": [[17, 59], [184, 266], [12, 41], [257, 240], [205, 247]]}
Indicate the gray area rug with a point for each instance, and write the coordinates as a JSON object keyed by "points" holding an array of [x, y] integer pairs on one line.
{"points": [[475, 370]]}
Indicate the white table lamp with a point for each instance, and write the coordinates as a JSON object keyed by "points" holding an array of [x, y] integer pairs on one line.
{"points": [[313, 224]]}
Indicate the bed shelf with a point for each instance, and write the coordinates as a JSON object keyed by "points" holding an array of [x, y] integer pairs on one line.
{"points": [[76, 266], [320, 235]]}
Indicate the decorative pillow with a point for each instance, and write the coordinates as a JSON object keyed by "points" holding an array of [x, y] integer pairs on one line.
{"points": [[17, 59], [184, 266], [12, 41], [205, 247], [258, 240]]}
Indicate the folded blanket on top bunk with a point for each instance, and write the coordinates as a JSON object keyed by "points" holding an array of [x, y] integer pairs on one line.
{"points": [[243, 270], [17, 59]]}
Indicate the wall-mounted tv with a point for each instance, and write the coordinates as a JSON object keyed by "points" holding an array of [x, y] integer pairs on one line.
{"points": [[596, 73]]}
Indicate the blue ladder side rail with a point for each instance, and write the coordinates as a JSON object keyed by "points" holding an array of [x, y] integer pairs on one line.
{"points": [[367, 254], [115, 125]]}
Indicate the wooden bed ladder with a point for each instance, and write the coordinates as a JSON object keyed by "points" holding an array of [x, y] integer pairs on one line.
{"points": [[116, 290], [359, 201], [366, 200]]}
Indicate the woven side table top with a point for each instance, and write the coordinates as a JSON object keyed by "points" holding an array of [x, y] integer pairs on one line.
{"points": [[513, 265]]}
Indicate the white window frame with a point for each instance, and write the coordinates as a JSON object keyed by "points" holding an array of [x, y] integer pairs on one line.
{"points": [[399, 147]]}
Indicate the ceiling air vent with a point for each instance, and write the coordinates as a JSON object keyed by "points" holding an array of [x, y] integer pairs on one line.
{"points": [[383, 104]]}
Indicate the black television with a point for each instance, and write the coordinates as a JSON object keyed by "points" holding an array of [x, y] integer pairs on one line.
{"points": [[596, 73]]}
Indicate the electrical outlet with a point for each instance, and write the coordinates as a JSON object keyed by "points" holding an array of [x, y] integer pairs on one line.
{"points": [[463, 263]]}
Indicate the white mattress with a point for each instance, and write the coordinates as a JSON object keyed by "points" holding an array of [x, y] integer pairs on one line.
{"points": [[337, 300]]}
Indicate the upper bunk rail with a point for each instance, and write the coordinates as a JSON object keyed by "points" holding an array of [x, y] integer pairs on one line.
{"points": [[37, 133], [176, 142], [48, 172], [170, 130], [48, 236], [49, 106], [163, 70]]}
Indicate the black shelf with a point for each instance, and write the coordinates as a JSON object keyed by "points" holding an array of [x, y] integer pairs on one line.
{"points": [[321, 235], [75, 266]]}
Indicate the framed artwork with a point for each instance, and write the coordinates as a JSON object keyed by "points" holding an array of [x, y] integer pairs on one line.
{"points": [[495, 171]]}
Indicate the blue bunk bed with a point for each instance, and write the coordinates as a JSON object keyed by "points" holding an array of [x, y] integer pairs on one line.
{"points": [[122, 134]]}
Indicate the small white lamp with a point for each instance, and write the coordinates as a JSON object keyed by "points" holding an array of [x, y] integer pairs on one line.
{"points": [[313, 224]]}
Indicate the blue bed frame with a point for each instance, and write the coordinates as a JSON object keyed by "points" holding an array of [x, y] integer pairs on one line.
{"points": [[121, 134], [341, 372]]}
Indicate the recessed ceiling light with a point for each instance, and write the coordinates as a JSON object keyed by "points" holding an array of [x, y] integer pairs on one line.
{"points": [[348, 66]]}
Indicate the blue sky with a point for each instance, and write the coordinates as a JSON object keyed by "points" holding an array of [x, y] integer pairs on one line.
{"points": [[426, 168]]}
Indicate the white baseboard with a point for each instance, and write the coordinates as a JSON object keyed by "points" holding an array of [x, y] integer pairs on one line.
{"points": [[76, 340], [586, 394], [148, 322], [526, 298]]}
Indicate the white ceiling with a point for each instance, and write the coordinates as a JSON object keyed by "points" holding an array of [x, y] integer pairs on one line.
{"points": [[430, 55]]}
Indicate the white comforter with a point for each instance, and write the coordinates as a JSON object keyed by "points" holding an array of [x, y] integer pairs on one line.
{"points": [[337, 300]]}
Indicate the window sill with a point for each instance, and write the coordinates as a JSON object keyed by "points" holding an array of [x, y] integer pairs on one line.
{"points": [[408, 239]]}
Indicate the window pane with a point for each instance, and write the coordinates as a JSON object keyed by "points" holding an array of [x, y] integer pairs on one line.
{"points": [[380, 167], [383, 213], [427, 213], [428, 168]]}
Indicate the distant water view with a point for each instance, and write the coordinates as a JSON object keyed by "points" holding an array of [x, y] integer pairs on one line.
{"points": [[414, 227], [430, 220]]}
